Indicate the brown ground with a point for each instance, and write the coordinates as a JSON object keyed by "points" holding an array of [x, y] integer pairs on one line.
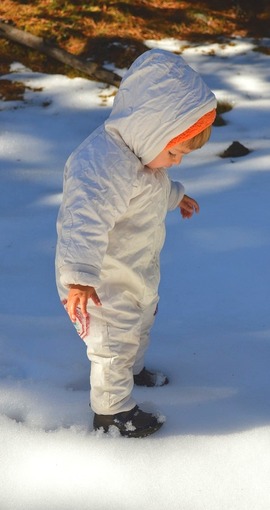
{"points": [[114, 31]]}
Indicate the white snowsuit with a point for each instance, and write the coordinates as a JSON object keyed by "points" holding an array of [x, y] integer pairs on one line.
{"points": [[111, 221]]}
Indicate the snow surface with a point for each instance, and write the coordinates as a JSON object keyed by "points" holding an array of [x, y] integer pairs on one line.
{"points": [[211, 336]]}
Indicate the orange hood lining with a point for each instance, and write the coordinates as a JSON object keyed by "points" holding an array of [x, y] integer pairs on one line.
{"points": [[204, 122]]}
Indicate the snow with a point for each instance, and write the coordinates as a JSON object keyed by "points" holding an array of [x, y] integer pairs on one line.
{"points": [[211, 336]]}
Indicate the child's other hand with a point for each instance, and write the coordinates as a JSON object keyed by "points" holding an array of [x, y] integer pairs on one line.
{"points": [[78, 296], [188, 206]]}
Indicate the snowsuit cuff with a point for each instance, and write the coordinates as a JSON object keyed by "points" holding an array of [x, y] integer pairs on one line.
{"points": [[79, 274], [176, 194]]}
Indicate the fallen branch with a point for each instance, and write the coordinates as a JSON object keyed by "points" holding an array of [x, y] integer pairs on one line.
{"points": [[38, 43]]}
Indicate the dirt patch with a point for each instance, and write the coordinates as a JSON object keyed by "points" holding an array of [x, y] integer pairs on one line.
{"points": [[14, 90], [114, 31], [235, 150]]}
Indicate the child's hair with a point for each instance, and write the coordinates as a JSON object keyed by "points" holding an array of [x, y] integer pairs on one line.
{"points": [[199, 140]]}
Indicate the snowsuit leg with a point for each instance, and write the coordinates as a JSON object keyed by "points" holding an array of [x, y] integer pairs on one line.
{"points": [[116, 343], [112, 340], [148, 318]]}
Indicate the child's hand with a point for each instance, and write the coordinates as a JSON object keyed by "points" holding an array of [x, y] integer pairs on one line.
{"points": [[188, 206], [78, 296]]}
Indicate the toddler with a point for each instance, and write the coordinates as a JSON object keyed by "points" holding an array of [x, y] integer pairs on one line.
{"points": [[111, 228]]}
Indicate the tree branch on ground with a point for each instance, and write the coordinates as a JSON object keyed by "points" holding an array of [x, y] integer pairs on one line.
{"points": [[91, 69]]}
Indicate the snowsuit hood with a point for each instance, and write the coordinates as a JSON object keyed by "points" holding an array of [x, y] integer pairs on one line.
{"points": [[159, 98]]}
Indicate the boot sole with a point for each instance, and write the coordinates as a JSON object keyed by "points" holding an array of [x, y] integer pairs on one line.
{"points": [[132, 433]]}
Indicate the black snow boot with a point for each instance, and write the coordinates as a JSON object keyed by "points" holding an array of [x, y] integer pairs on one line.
{"points": [[150, 379], [134, 423]]}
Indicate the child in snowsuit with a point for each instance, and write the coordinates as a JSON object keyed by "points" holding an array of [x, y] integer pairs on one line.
{"points": [[111, 226]]}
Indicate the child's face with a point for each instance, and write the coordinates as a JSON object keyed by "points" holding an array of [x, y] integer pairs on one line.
{"points": [[169, 157]]}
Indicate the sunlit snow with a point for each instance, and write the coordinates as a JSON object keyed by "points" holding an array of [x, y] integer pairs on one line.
{"points": [[211, 336]]}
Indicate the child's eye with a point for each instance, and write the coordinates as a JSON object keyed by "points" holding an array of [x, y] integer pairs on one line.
{"points": [[172, 155]]}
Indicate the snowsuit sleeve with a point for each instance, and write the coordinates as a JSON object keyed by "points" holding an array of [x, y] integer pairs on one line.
{"points": [[95, 195], [83, 224], [176, 194]]}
